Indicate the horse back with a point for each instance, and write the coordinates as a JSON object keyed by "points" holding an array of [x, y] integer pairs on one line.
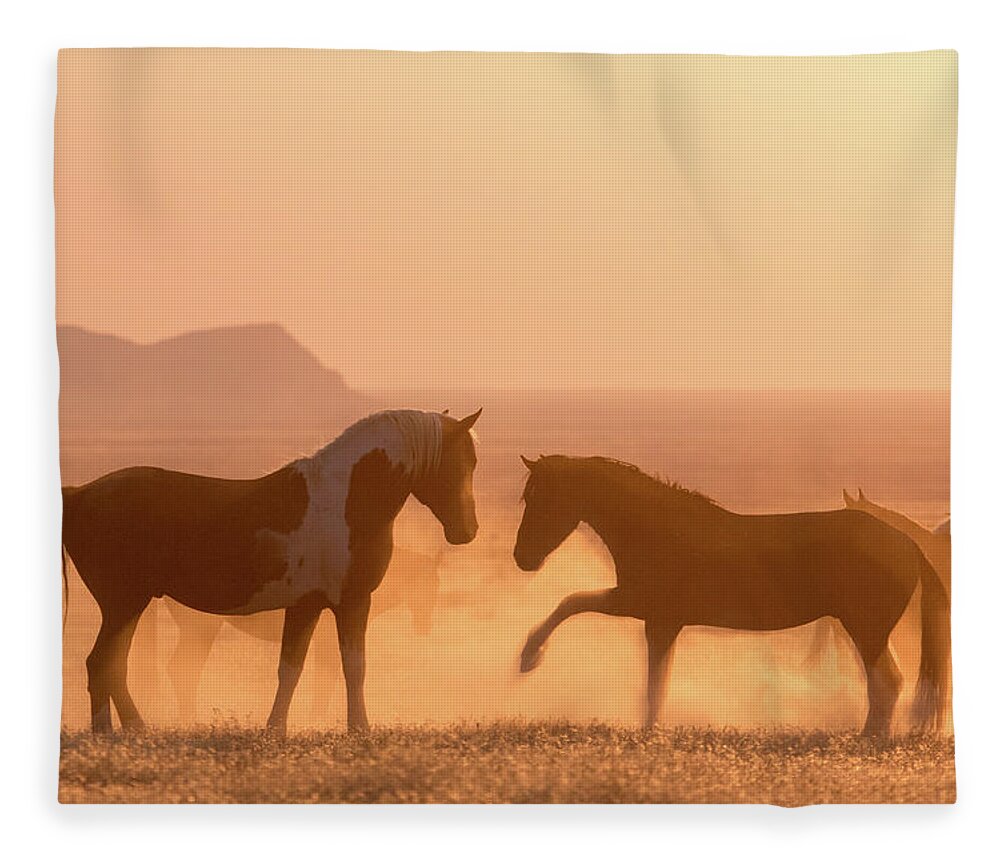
{"points": [[835, 543], [200, 539], [783, 570]]}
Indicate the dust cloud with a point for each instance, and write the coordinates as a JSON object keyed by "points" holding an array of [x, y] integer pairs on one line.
{"points": [[750, 458]]}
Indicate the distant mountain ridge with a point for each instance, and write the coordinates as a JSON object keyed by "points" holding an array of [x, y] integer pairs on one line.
{"points": [[242, 379]]}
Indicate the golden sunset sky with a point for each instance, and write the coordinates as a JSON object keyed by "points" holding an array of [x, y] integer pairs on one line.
{"points": [[520, 220]]}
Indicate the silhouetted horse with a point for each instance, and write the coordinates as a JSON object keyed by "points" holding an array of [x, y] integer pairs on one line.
{"points": [[411, 581], [315, 534], [680, 559], [935, 545]]}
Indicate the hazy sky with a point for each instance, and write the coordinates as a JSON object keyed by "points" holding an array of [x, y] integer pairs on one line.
{"points": [[515, 220]]}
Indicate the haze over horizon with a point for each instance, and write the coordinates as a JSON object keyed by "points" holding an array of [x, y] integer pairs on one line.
{"points": [[560, 221], [395, 388]]}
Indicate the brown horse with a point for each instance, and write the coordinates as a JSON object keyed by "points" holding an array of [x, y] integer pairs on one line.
{"points": [[680, 559], [935, 545], [314, 535], [412, 582]]}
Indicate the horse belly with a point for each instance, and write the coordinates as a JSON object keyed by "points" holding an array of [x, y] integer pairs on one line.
{"points": [[283, 593], [312, 560], [755, 615], [278, 575], [761, 601]]}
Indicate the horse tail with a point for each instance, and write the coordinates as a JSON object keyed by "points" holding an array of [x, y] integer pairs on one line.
{"points": [[65, 590], [930, 701], [67, 494]]}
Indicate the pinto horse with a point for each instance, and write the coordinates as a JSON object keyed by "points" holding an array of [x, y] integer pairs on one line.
{"points": [[412, 581], [681, 559], [314, 535]]}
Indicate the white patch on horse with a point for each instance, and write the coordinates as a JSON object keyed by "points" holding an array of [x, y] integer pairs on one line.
{"points": [[316, 554]]}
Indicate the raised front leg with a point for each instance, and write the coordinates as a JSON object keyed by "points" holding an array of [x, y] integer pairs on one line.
{"points": [[352, 624], [300, 621], [608, 601], [660, 639]]}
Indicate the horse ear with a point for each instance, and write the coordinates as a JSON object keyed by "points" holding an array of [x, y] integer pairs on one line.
{"points": [[444, 412], [529, 463], [467, 422], [848, 501], [861, 496]]}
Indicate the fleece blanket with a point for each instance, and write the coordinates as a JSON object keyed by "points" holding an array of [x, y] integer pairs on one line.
{"points": [[505, 428]]}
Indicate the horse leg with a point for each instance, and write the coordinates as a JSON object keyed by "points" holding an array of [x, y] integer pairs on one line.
{"points": [[660, 639], [352, 624], [196, 634], [98, 681], [107, 667], [326, 657], [607, 600], [300, 621], [885, 682], [127, 711]]}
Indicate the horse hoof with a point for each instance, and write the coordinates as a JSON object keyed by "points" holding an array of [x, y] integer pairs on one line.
{"points": [[276, 731], [876, 732], [530, 659]]}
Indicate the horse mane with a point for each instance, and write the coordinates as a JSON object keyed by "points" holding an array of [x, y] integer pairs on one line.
{"points": [[411, 438], [897, 519], [627, 477]]}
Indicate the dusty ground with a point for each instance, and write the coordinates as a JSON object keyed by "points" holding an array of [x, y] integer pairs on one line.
{"points": [[506, 762]]}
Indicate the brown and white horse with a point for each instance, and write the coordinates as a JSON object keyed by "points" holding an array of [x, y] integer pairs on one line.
{"points": [[680, 559], [313, 535]]}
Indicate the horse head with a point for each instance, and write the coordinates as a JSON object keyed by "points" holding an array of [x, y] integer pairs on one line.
{"points": [[551, 514], [447, 490]]}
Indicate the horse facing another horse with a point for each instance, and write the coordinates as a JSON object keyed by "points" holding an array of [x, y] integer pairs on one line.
{"points": [[681, 559], [315, 534]]}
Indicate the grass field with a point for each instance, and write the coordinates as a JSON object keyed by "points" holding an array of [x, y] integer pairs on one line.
{"points": [[506, 762]]}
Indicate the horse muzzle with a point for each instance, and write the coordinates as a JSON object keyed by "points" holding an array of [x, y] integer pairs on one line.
{"points": [[530, 565]]}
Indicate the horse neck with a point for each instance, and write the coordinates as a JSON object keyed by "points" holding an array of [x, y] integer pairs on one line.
{"points": [[900, 522], [363, 483], [625, 519]]}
